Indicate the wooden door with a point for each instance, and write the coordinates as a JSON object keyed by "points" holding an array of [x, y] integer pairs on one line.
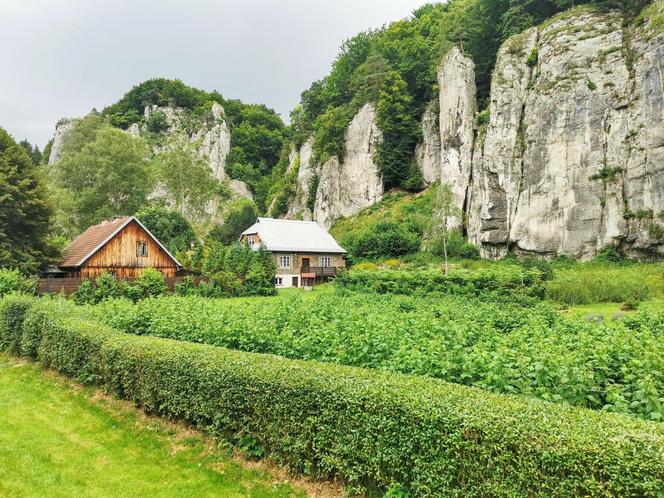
{"points": [[305, 265], [295, 282]]}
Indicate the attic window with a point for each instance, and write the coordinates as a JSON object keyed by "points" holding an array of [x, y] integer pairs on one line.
{"points": [[251, 240], [141, 249]]}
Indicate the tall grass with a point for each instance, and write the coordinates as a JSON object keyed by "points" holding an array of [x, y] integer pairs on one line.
{"points": [[589, 284]]}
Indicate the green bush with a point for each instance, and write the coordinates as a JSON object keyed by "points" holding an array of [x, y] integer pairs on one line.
{"points": [[15, 281], [507, 280], [457, 247], [150, 283], [384, 239], [370, 429]]}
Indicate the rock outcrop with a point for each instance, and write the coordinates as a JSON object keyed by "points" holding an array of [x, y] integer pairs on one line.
{"points": [[344, 188], [61, 130], [572, 158], [458, 106], [569, 157], [210, 140], [299, 208], [427, 152]]}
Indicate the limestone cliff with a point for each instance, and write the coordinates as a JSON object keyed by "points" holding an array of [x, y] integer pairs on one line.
{"points": [[571, 159], [344, 188]]}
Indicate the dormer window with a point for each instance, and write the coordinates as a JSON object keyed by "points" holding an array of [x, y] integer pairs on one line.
{"points": [[142, 249], [251, 240]]}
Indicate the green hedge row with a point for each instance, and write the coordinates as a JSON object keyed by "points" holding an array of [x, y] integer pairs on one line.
{"points": [[371, 429], [505, 280]]}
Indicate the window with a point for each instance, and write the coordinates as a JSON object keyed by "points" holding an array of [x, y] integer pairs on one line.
{"points": [[284, 262], [141, 248], [278, 281], [251, 240], [325, 261]]}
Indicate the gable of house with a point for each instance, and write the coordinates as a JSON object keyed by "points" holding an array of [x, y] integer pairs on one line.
{"points": [[122, 246]]}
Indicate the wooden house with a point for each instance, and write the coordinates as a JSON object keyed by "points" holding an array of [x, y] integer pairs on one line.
{"points": [[123, 247], [303, 251]]}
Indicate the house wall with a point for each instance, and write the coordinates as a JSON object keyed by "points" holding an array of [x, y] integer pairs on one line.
{"points": [[257, 239], [287, 273], [118, 255]]}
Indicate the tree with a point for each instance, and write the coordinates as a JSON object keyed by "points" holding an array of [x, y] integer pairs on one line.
{"points": [[188, 181], [25, 212], [170, 227], [401, 131], [33, 151], [108, 177], [237, 217], [446, 216]]}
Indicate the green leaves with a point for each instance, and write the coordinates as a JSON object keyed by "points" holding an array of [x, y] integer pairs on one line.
{"points": [[378, 432]]}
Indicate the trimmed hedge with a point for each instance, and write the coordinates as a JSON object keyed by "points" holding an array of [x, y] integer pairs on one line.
{"points": [[506, 280], [372, 429]]}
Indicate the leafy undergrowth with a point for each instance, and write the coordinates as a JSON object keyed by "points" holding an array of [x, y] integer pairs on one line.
{"points": [[500, 346], [399, 207], [59, 439]]}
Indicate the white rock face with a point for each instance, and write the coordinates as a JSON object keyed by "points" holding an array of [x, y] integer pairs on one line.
{"points": [[344, 189], [240, 189], [299, 208], [497, 162], [574, 144], [61, 131], [427, 153], [458, 106], [211, 142]]}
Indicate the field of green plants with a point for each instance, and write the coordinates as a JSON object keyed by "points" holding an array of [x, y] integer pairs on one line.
{"points": [[474, 336]]}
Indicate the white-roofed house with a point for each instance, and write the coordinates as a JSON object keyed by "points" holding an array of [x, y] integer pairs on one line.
{"points": [[305, 253]]}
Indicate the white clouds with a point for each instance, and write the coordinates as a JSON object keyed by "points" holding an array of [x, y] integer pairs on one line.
{"points": [[62, 58]]}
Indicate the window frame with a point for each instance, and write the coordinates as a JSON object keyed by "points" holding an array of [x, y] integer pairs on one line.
{"points": [[285, 257], [325, 261], [142, 249], [251, 240], [278, 281]]}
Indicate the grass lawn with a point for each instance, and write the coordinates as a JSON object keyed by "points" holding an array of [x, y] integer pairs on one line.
{"points": [[58, 439]]}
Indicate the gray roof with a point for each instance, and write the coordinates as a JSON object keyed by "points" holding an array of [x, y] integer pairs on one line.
{"points": [[293, 236]]}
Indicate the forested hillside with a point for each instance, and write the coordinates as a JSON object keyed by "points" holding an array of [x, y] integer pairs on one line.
{"points": [[404, 106]]}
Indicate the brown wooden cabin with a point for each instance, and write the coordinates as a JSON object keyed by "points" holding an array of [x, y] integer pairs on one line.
{"points": [[123, 247]]}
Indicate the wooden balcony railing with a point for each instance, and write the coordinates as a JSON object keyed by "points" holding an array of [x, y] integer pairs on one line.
{"points": [[321, 271]]}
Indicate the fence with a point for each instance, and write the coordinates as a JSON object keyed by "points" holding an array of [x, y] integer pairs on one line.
{"points": [[68, 286]]}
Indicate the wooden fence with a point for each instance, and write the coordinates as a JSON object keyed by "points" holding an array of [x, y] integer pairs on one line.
{"points": [[68, 286]]}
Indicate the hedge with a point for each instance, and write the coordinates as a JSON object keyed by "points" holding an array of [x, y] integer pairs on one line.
{"points": [[506, 280], [371, 429]]}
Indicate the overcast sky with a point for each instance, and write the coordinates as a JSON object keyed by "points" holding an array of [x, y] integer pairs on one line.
{"points": [[61, 58]]}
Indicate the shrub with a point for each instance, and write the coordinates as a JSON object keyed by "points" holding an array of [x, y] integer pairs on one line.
{"points": [[150, 283], [107, 287], [15, 281], [457, 247], [186, 287], [511, 281], [609, 254], [85, 294], [369, 428], [384, 239]]}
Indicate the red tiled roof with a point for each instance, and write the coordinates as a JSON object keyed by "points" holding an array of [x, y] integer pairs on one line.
{"points": [[88, 241]]}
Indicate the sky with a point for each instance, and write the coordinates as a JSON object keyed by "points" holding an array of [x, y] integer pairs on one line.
{"points": [[61, 58]]}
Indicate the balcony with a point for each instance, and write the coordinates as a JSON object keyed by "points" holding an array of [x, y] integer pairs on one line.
{"points": [[319, 271]]}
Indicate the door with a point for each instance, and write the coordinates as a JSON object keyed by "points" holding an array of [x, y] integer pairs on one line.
{"points": [[295, 282], [305, 265]]}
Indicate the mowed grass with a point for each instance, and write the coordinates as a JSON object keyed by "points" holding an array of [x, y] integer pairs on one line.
{"points": [[57, 439]]}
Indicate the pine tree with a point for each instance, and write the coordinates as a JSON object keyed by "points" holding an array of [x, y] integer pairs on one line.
{"points": [[25, 213]]}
